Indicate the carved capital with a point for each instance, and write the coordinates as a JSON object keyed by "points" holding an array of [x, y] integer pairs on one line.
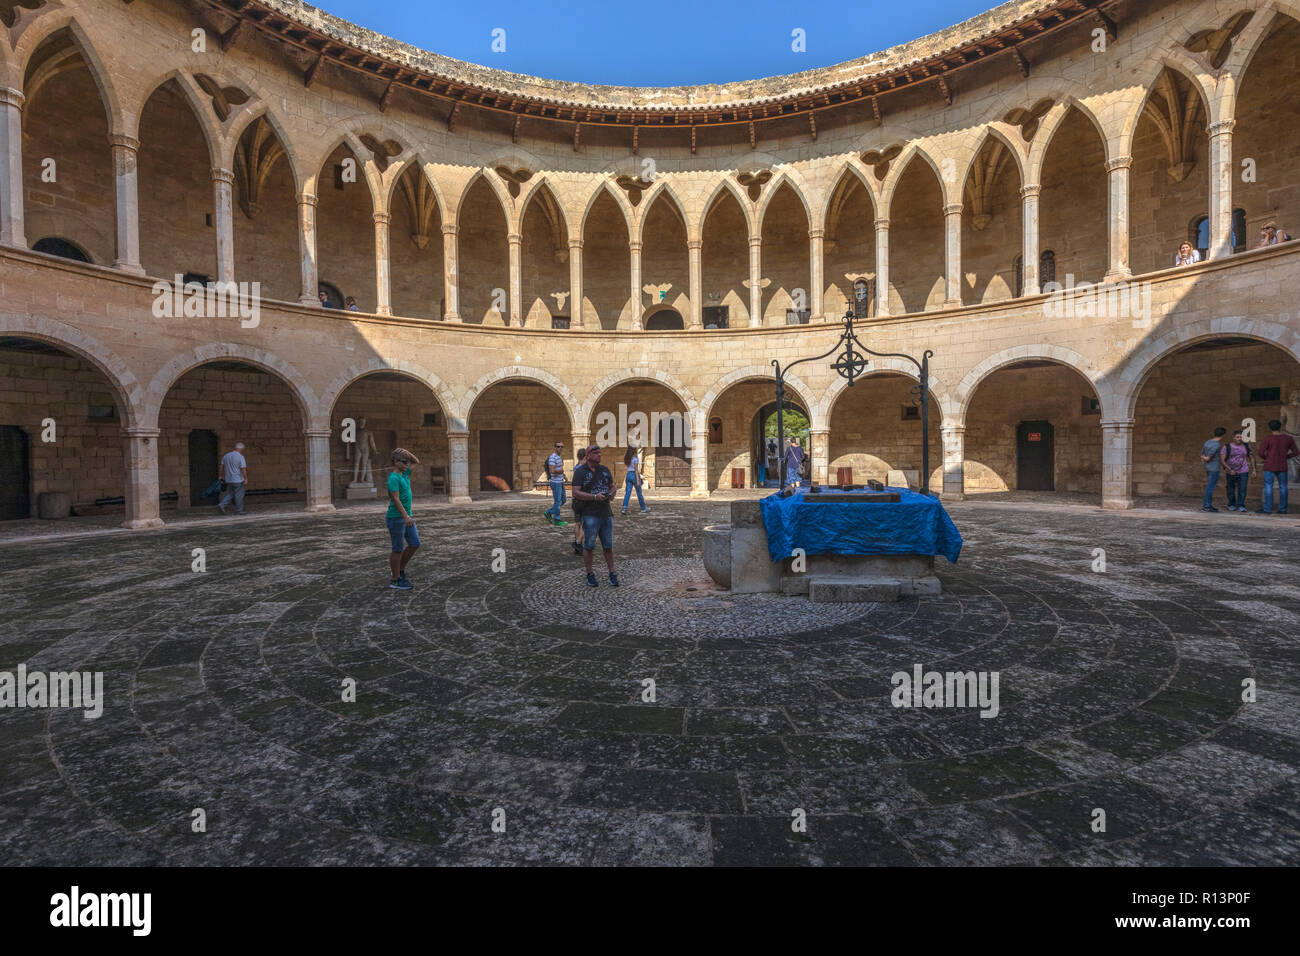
{"points": [[1119, 162], [220, 175], [122, 141], [635, 245], [308, 199], [11, 97], [1223, 127], [953, 209], [882, 224], [816, 233], [1031, 191], [575, 243], [450, 229], [382, 218], [695, 244]]}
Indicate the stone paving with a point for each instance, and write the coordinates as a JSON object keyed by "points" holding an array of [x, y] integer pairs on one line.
{"points": [[518, 697]]}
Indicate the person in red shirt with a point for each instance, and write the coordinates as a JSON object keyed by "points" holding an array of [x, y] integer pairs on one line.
{"points": [[1274, 453]]}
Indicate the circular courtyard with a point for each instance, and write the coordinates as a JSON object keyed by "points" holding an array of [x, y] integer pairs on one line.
{"points": [[504, 713]]}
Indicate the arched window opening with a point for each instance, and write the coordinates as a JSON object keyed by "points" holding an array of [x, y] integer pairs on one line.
{"points": [[333, 297], [63, 248], [862, 298]]}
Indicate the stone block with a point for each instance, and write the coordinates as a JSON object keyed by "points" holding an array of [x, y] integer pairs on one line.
{"points": [[853, 590], [752, 569], [746, 514]]}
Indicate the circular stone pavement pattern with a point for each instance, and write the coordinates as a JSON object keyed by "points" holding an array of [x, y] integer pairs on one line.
{"points": [[651, 724]]}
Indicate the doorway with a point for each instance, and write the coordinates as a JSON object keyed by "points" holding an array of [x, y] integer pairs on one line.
{"points": [[496, 457], [15, 474], [204, 462], [764, 450], [1035, 457]]}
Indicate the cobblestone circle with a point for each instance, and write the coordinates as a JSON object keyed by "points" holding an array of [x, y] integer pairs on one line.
{"points": [[523, 691]]}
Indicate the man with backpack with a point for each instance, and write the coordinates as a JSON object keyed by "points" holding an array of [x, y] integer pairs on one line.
{"points": [[593, 487], [1210, 455], [1238, 464]]}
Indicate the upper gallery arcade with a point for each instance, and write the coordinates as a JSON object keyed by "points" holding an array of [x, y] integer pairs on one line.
{"points": [[486, 223]]}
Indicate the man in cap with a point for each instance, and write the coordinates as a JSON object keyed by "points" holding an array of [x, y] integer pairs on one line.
{"points": [[234, 469]]}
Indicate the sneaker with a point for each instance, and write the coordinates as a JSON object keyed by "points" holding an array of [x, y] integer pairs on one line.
{"points": [[1211, 508], [645, 511], [222, 509], [591, 580], [405, 579], [400, 584], [1281, 511], [1261, 511], [613, 579], [560, 524], [547, 516], [577, 548], [624, 513]]}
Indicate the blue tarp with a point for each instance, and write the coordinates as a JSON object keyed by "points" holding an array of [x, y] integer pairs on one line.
{"points": [[915, 524]]}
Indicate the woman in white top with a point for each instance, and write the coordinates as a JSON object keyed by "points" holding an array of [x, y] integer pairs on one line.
{"points": [[1186, 254], [633, 480]]}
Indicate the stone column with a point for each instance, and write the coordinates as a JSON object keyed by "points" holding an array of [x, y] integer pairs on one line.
{"points": [[821, 455], [755, 281], [1029, 239], [307, 249], [699, 463], [141, 455], [1221, 176], [320, 493], [223, 218], [816, 274], [383, 286], [11, 168], [515, 309], [952, 253], [127, 203], [882, 267], [1117, 463], [580, 440], [695, 319], [954, 454], [458, 467], [450, 273], [634, 251], [575, 284], [1117, 171]]}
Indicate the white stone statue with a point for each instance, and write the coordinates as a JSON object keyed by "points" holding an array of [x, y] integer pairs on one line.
{"points": [[363, 479], [1290, 418]]}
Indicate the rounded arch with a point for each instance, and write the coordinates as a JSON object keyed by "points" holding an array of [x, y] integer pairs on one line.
{"points": [[603, 187], [802, 393], [900, 166], [880, 366], [524, 372], [1048, 127], [626, 376], [130, 392], [956, 404], [784, 178], [46, 26], [169, 374], [1131, 375], [442, 391]]}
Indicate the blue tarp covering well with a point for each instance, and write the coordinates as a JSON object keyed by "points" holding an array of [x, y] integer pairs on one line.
{"points": [[915, 524]]}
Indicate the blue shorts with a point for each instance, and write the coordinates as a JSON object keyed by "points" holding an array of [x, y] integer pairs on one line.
{"points": [[399, 532], [593, 526]]}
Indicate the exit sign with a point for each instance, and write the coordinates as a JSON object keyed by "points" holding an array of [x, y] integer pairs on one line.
{"points": [[1035, 436]]}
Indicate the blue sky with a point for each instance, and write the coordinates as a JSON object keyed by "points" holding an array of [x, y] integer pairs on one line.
{"points": [[665, 43]]}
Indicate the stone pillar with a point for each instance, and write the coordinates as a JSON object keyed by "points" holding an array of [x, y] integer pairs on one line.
{"points": [[516, 291], [307, 249], [1117, 463], [954, 454], [383, 286], [634, 251], [580, 440], [575, 284], [1029, 239], [1221, 176], [755, 281], [141, 454], [450, 273], [699, 463], [127, 203], [223, 218], [458, 467], [816, 274], [821, 455], [320, 493], [695, 319], [1117, 171], [11, 168], [882, 267], [952, 253]]}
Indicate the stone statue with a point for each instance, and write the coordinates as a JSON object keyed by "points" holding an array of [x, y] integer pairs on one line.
{"points": [[1290, 418], [363, 479]]}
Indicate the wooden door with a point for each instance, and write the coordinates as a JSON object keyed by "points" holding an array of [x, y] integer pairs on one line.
{"points": [[15, 474], [496, 459], [204, 462]]}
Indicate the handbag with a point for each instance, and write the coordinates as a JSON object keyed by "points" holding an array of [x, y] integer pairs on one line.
{"points": [[215, 489]]}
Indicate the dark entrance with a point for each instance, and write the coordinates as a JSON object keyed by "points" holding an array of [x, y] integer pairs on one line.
{"points": [[1035, 457], [672, 468], [204, 462], [496, 457], [15, 474]]}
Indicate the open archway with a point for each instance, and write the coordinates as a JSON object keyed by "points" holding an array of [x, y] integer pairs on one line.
{"points": [[785, 263], [991, 226], [345, 229], [849, 250], [514, 424], [606, 266], [1073, 215], [652, 417], [177, 218], [725, 263], [875, 428], [415, 249], [738, 429], [266, 213], [916, 241]]}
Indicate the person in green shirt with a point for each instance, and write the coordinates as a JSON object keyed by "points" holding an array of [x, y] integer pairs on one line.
{"points": [[401, 526]]}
